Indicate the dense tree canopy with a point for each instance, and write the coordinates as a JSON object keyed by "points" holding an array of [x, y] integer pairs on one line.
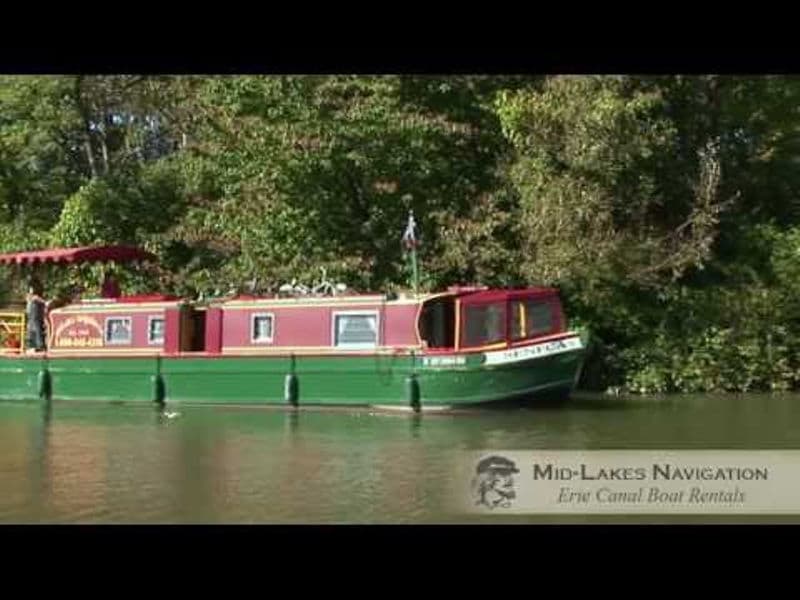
{"points": [[665, 208]]}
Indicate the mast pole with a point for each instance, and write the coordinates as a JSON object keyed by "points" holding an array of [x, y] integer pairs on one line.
{"points": [[411, 242], [415, 270]]}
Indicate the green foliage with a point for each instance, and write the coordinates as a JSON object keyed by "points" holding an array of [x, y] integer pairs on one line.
{"points": [[589, 170], [83, 218], [336, 162], [732, 340], [38, 167]]}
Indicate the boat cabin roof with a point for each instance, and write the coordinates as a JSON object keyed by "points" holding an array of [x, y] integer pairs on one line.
{"points": [[103, 304], [344, 300], [468, 295], [500, 295]]}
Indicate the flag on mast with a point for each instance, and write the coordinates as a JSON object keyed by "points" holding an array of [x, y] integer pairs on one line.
{"points": [[411, 242], [410, 234]]}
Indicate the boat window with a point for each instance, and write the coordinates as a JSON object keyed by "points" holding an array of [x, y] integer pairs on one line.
{"points": [[541, 318], [532, 317], [484, 324], [261, 329], [118, 330], [355, 330], [155, 330]]}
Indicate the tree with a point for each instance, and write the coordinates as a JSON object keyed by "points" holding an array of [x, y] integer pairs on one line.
{"points": [[323, 170]]}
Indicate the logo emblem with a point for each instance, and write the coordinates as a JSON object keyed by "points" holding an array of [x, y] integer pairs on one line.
{"points": [[493, 484]]}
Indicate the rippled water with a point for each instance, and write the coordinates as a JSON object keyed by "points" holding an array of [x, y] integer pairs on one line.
{"points": [[95, 463]]}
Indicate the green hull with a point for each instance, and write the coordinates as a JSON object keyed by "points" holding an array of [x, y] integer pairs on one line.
{"points": [[383, 380]]}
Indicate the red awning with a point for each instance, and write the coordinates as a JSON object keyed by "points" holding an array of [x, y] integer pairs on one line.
{"points": [[77, 255]]}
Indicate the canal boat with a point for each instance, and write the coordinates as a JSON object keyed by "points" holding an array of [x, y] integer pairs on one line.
{"points": [[456, 347]]}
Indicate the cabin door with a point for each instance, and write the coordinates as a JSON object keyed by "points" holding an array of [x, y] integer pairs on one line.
{"points": [[437, 323], [198, 330], [193, 329]]}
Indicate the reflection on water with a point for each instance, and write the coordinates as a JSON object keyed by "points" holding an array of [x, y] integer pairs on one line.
{"points": [[118, 464]]}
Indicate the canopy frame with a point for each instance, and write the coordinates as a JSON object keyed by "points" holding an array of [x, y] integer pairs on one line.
{"points": [[79, 255]]}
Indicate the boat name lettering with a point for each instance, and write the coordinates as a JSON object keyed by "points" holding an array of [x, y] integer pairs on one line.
{"points": [[535, 351], [443, 361]]}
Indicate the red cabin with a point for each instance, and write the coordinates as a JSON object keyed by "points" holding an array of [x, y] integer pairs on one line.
{"points": [[125, 324], [489, 319], [350, 323], [464, 319]]}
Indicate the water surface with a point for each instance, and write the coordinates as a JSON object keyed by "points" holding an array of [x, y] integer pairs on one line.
{"points": [[98, 463]]}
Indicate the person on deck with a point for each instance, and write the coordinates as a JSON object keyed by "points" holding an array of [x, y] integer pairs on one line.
{"points": [[34, 312], [110, 287]]}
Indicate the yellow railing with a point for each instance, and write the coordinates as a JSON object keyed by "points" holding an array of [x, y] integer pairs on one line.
{"points": [[12, 331]]}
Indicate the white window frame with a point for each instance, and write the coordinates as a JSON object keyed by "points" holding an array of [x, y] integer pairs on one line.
{"points": [[353, 313], [150, 320], [253, 318], [106, 331]]}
